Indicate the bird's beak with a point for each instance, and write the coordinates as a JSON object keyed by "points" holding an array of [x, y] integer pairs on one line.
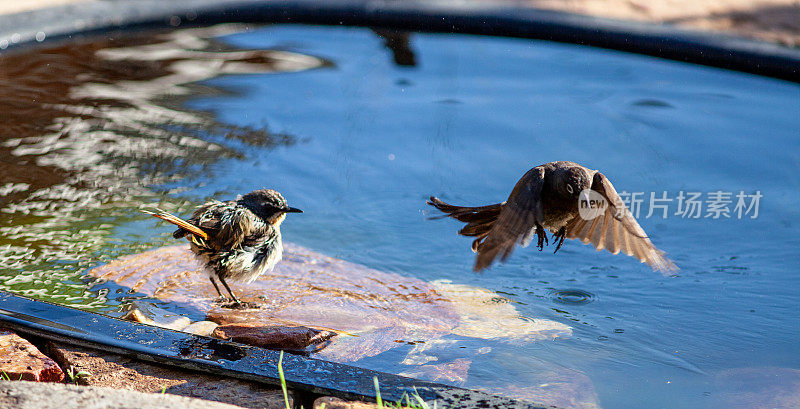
{"points": [[293, 210]]}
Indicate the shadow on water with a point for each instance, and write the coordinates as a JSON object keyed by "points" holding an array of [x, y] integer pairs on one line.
{"points": [[91, 126]]}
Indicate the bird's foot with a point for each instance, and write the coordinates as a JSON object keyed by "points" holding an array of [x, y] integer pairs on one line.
{"points": [[241, 305], [559, 236], [542, 236], [221, 299]]}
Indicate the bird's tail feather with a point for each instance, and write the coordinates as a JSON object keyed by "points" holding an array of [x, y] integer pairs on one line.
{"points": [[479, 219], [183, 224]]}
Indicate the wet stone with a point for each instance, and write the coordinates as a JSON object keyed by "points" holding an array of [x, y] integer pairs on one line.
{"points": [[147, 313], [116, 371], [20, 360], [279, 337], [204, 328]]}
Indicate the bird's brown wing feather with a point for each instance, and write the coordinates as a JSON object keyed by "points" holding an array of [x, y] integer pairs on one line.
{"points": [[516, 222], [226, 223], [183, 224], [616, 230]]}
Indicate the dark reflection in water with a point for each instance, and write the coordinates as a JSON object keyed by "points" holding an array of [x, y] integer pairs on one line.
{"points": [[399, 43], [90, 126]]}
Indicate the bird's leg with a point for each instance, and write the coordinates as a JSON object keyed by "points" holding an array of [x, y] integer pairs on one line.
{"points": [[216, 287], [562, 232], [542, 236], [233, 297], [236, 304]]}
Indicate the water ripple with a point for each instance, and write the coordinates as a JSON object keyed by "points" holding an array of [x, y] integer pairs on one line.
{"points": [[571, 296]]}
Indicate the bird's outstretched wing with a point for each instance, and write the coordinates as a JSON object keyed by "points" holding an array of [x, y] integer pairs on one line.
{"points": [[517, 221], [617, 230]]}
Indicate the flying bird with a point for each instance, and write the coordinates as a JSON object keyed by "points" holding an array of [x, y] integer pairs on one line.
{"points": [[569, 200], [237, 239]]}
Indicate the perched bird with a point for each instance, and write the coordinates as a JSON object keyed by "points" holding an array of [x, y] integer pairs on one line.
{"points": [[237, 239], [568, 199]]}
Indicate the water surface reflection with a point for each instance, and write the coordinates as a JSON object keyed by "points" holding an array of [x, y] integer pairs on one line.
{"points": [[91, 126]]}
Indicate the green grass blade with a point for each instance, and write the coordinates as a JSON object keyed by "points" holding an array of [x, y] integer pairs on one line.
{"points": [[283, 382]]}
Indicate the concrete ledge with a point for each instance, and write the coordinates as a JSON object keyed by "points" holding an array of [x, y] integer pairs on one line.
{"points": [[34, 395]]}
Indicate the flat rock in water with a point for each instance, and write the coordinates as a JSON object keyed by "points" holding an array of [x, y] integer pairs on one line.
{"points": [[486, 315], [311, 296], [454, 372], [306, 289], [20, 360]]}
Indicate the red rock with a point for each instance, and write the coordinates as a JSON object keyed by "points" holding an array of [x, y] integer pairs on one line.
{"points": [[276, 337], [19, 359]]}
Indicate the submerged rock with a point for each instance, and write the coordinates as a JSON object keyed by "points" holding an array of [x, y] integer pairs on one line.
{"points": [[484, 314], [555, 387], [760, 387], [454, 372], [310, 297]]}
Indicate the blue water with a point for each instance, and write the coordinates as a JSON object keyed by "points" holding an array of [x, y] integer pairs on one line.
{"points": [[477, 113], [372, 140]]}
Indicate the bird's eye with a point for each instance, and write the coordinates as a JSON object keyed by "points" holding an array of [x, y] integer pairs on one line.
{"points": [[569, 189]]}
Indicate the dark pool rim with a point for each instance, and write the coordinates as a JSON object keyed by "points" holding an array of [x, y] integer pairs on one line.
{"points": [[483, 18]]}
